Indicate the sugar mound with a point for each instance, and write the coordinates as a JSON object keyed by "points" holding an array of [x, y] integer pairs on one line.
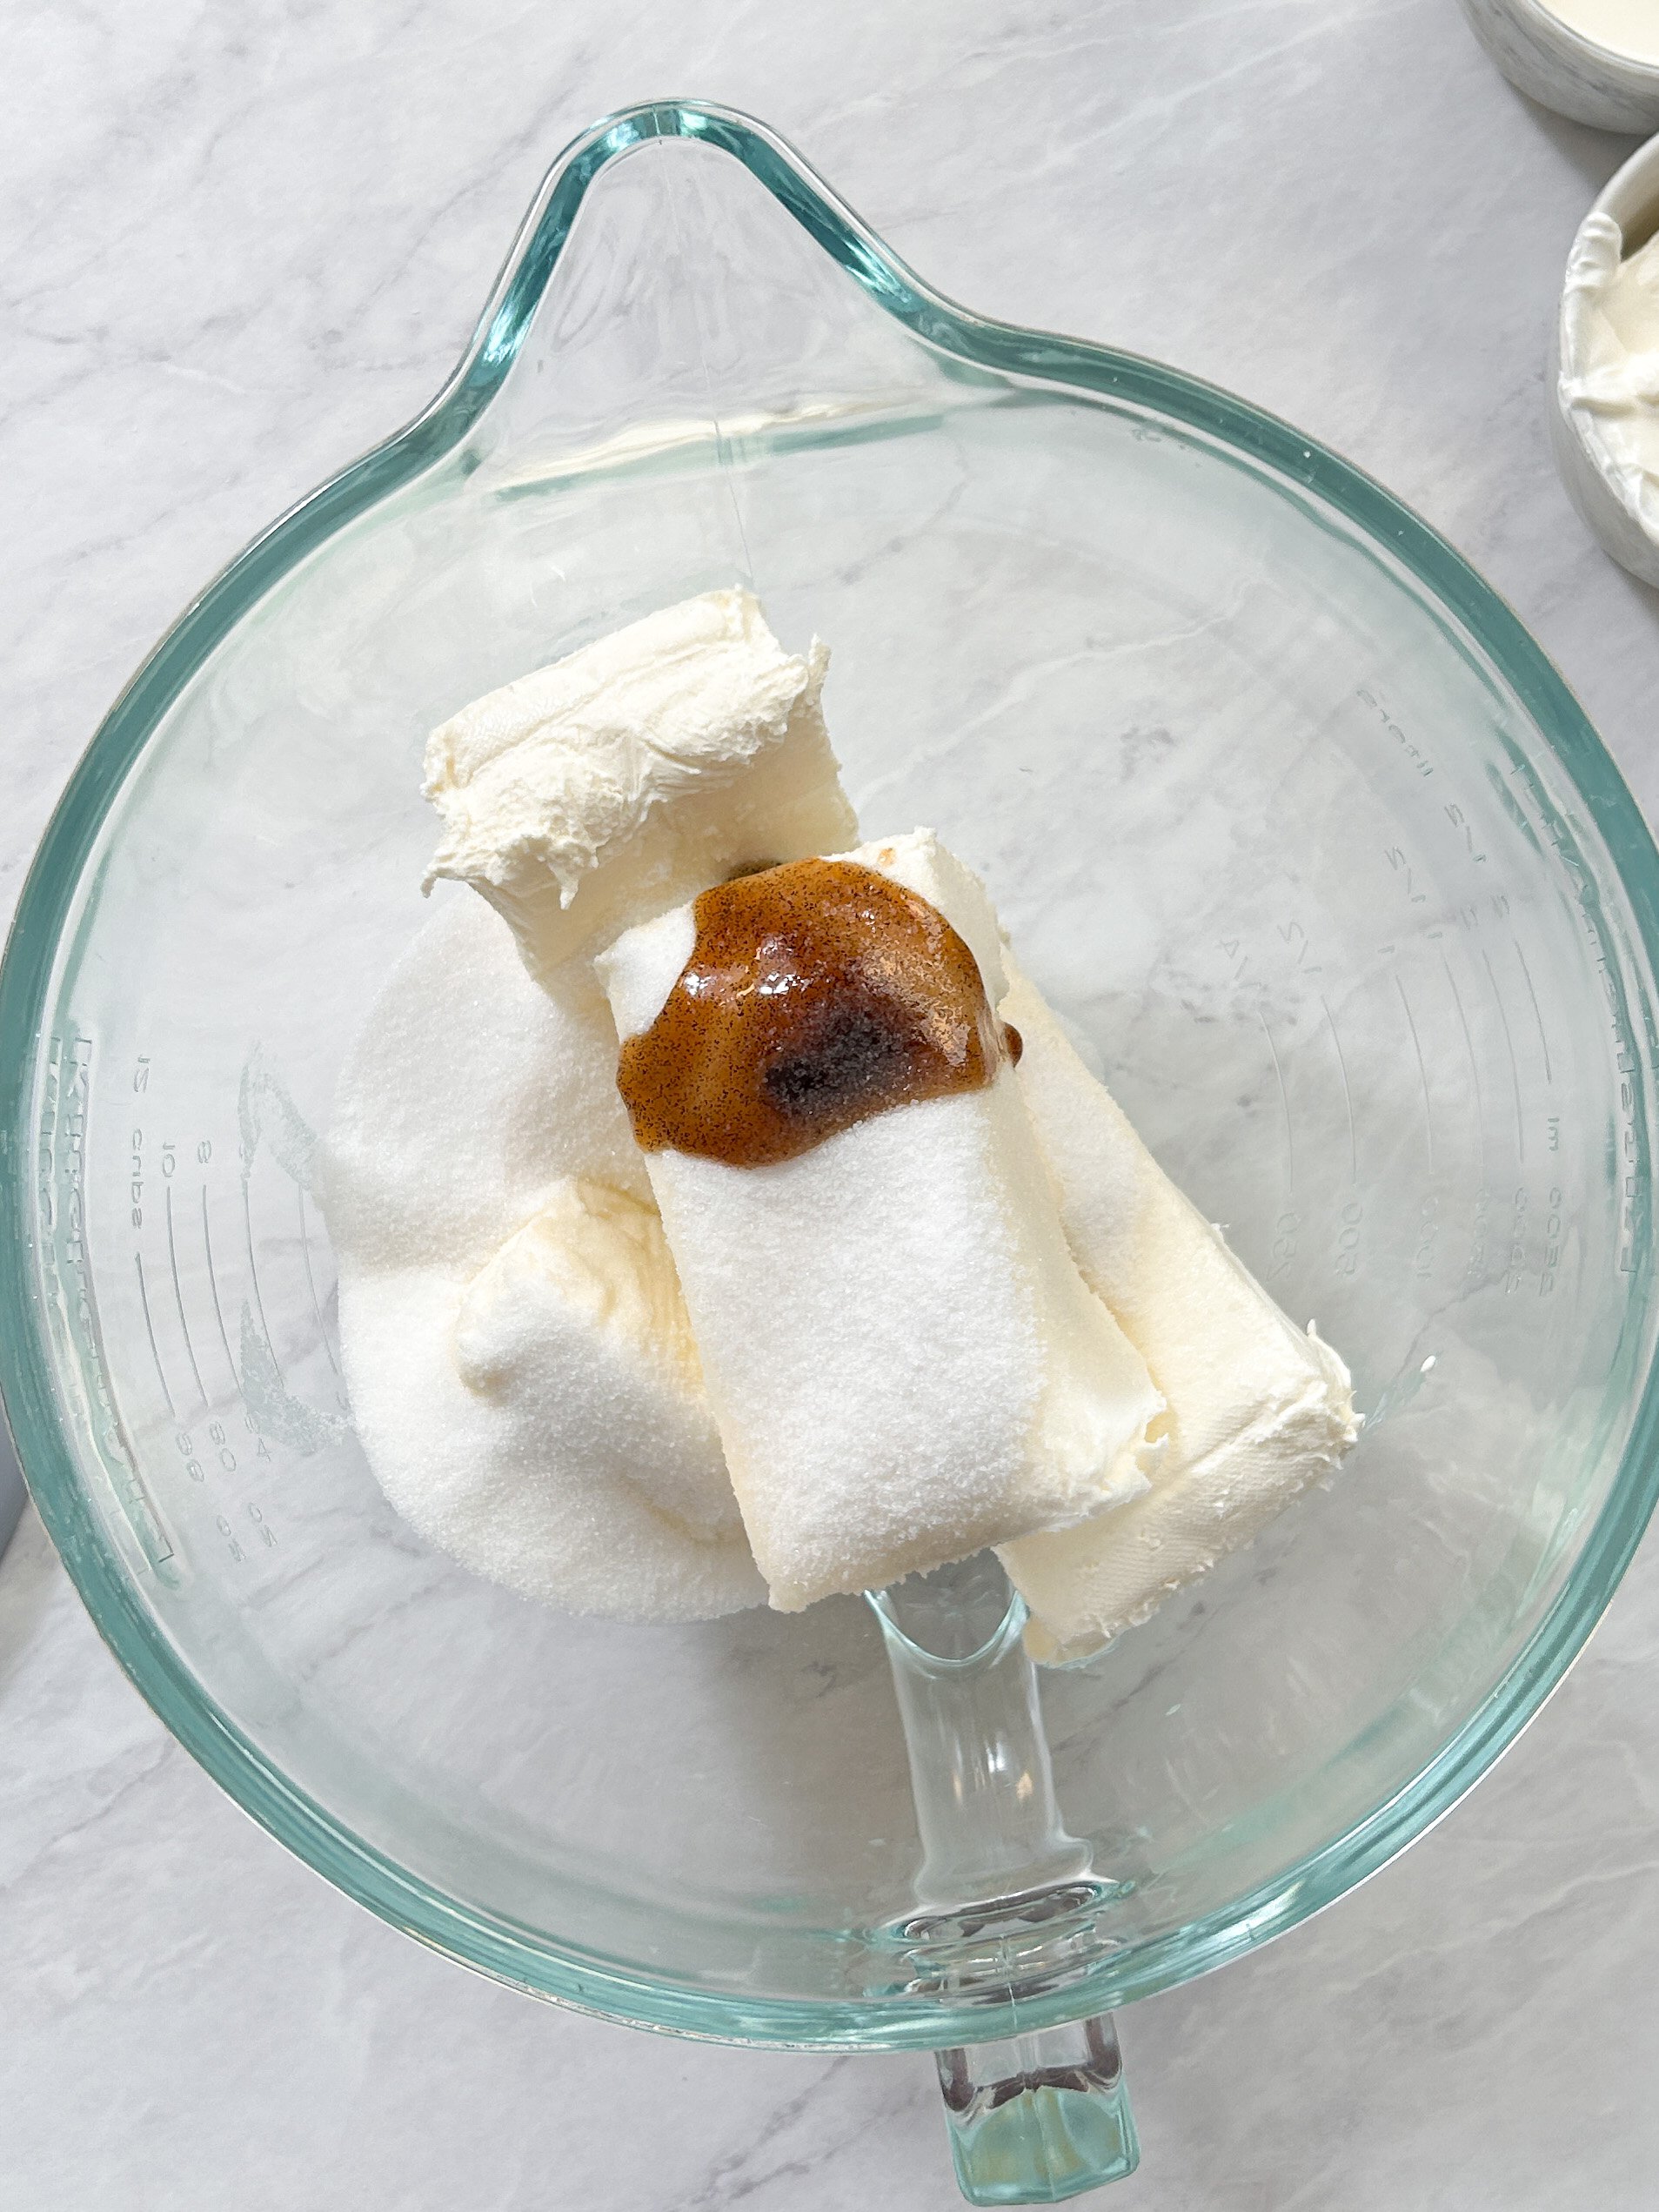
{"points": [[521, 1373]]}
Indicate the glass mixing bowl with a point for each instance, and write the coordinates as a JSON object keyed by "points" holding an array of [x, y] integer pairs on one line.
{"points": [[1284, 809]]}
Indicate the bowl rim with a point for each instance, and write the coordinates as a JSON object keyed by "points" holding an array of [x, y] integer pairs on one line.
{"points": [[494, 1944], [1629, 197], [1633, 185]]}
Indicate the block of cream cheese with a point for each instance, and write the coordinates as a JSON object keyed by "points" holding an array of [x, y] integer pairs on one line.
{"points": [[1257, 1410], [521, 1371], [902, 1358], [635, 772]]}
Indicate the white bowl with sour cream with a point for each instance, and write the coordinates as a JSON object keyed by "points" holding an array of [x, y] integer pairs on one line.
{"points": [[1604, 367]]}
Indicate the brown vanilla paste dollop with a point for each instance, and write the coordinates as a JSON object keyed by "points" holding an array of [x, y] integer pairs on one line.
{"points": [[817, 994]]}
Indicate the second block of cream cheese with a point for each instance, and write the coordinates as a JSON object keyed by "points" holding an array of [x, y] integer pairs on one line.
{"points": [[1256, 1409]]}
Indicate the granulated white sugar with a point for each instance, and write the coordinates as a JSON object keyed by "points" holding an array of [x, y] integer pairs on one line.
{"points": [[521, 1371]]}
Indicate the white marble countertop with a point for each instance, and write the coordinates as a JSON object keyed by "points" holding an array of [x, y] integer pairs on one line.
{"points": [[240, 244]]}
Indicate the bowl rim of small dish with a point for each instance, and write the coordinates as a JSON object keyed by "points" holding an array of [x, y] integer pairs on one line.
{"points": [[1635, 177], [1638, 172], [526, 1958], [1535, 17]]}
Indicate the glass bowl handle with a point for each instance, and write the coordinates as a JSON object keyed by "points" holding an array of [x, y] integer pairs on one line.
{"points": [[1032, 2118]]}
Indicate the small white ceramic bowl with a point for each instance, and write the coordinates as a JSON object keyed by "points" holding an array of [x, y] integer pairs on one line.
{"points": [[1562, 70], [1632, 200]]}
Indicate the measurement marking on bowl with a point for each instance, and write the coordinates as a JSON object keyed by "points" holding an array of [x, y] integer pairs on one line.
{"points": [[1347, 1095], [1284, 1100], [178, 1296], [1537, 1012], [150, 1330], [213, 1285], [1474, 1063], [1422, 1071], [66, 1120], [1514, 1070]]}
